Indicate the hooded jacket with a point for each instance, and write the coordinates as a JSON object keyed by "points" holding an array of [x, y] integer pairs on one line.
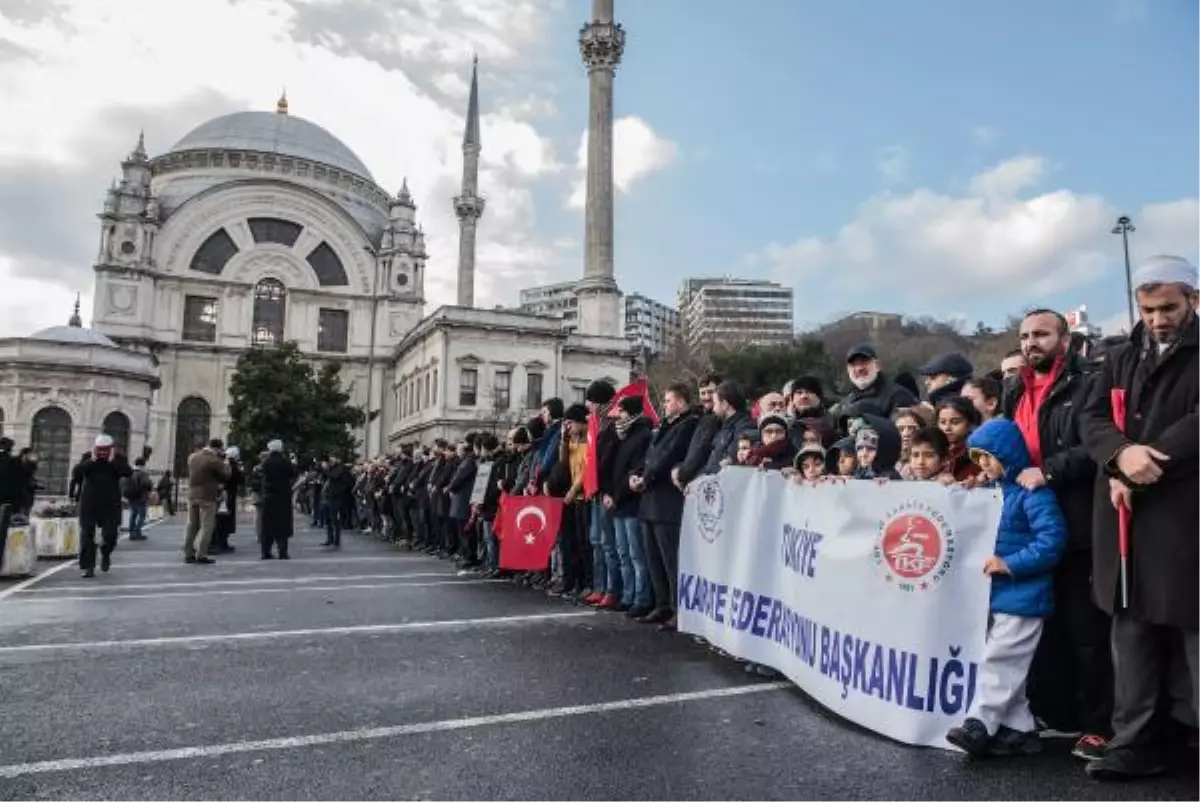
{"points": [[1032, 534], [887, 452]]}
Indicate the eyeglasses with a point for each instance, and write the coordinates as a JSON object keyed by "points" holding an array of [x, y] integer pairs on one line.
{"points": [[974, 454]]}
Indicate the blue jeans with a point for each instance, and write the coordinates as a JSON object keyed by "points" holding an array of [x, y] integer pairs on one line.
{"points": [[491, 546], [635, 576], [606, 567], [137, 517]]}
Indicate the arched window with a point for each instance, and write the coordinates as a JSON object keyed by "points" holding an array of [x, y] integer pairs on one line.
{"points": [[191, 431], [1, 422], [116, 426], [270, 304], [51, 441], [328, 267], [272, 229], [212, 255]]}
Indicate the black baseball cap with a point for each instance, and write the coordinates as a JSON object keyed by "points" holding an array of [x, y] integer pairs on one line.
{"points": [[861, 351]]}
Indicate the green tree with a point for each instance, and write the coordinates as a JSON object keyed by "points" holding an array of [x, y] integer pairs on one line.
{"points": [[276, 393], [761, 369]]}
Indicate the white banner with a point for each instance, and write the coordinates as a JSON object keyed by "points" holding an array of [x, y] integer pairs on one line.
{"points": [[870, 597]]}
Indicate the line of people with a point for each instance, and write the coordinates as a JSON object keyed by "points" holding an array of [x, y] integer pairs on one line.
{"points": [[1065, 651]]}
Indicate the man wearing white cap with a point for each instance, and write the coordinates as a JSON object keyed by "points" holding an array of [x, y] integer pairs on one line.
{"points": [[1142, 428], [100, 504]]}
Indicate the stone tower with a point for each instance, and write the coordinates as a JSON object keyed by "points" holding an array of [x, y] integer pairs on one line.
{"points": [[601, 43], [129, 225], [468, 206]]}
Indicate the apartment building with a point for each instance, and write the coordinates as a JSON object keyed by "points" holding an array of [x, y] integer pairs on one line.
{"points": [[650, 325], [733, 311]]}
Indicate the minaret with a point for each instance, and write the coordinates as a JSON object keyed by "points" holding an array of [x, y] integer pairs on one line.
{"points": [[601, 43], [468, 206], [75, 321]]}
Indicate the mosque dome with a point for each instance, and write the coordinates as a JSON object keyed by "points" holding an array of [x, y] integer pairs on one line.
{"points": [[73, 335], [273, 132]]}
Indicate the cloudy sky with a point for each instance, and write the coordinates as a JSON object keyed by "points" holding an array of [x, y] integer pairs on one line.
{"points": [[925, 158]]}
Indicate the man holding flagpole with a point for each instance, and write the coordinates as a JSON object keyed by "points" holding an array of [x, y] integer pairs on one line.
{"points": [[1141, 426]]}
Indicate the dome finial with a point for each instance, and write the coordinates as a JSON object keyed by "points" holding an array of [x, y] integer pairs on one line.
{"points": [[282, 105], [76, 321], [139, 150]]}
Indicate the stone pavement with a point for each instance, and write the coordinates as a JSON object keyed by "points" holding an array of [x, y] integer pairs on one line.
{"points": [[375, 674]]}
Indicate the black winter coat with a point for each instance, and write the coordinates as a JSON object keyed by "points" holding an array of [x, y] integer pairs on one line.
{"points": [[10, 478], [661, 500], [1162, 393], [100, 493], [606, 452], [725, 444], [707, 426], [278, 474], [1066, 463], [628, 460], [884, 393]]}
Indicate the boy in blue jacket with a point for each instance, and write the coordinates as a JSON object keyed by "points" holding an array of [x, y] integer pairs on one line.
{"points": [[1031, 538]]}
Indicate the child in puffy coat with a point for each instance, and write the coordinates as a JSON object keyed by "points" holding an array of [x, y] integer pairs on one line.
{"points": [[1029, 542]]}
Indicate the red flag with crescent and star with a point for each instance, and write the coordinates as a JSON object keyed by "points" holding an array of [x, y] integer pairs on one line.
{"points": [[527, 527]]}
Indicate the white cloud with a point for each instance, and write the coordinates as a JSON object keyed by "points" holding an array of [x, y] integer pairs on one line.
{"points": [[97, 73], [892, 164], [1008, 178], [931, 245], [637, 152]]}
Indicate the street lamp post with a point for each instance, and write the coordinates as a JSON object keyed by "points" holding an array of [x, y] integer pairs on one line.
{"points": [[1123, 227]]}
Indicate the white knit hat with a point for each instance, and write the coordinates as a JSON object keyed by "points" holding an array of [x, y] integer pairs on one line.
{"points": [[104, 441], [233, 453], [1165, 270]]}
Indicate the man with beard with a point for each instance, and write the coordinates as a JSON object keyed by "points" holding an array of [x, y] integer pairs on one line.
{"points": [[806, 410], [278, 473], [1142, 428], [1070, 686], [864, 368]]}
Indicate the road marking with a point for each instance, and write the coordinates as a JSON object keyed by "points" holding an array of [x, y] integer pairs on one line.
{"points": [[318, 555], [245, 591], [184, 640], [33, 580], [262, 581], [376, 733]]}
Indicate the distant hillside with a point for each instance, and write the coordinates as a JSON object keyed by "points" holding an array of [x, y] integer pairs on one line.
{"points": [[908, 343]]}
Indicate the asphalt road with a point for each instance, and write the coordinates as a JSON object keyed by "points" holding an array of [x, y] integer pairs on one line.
{"points": [[374, 674]]}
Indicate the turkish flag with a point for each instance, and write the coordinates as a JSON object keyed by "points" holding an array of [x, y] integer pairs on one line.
{"points": [[530, 529], [640, 389]]}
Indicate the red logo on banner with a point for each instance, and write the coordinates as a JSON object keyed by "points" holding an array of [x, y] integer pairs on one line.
{"points": [[915, 547]]}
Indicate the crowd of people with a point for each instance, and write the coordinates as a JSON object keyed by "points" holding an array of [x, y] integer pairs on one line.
{"points": [[1076, 440], [1093, 621]]}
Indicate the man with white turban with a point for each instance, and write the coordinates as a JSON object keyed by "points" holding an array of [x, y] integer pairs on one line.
{"points": [[278, 476], [1142, 429]]}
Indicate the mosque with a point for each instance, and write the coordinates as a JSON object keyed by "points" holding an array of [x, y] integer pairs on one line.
{"points": [[259, 227]]}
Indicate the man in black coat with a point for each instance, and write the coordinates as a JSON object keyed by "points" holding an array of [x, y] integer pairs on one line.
{"points": [[278, 475], [661, 508], [1070, 684], [1142, 430], [100, 504], [865, 370], [731, 406], [707, 424]]}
